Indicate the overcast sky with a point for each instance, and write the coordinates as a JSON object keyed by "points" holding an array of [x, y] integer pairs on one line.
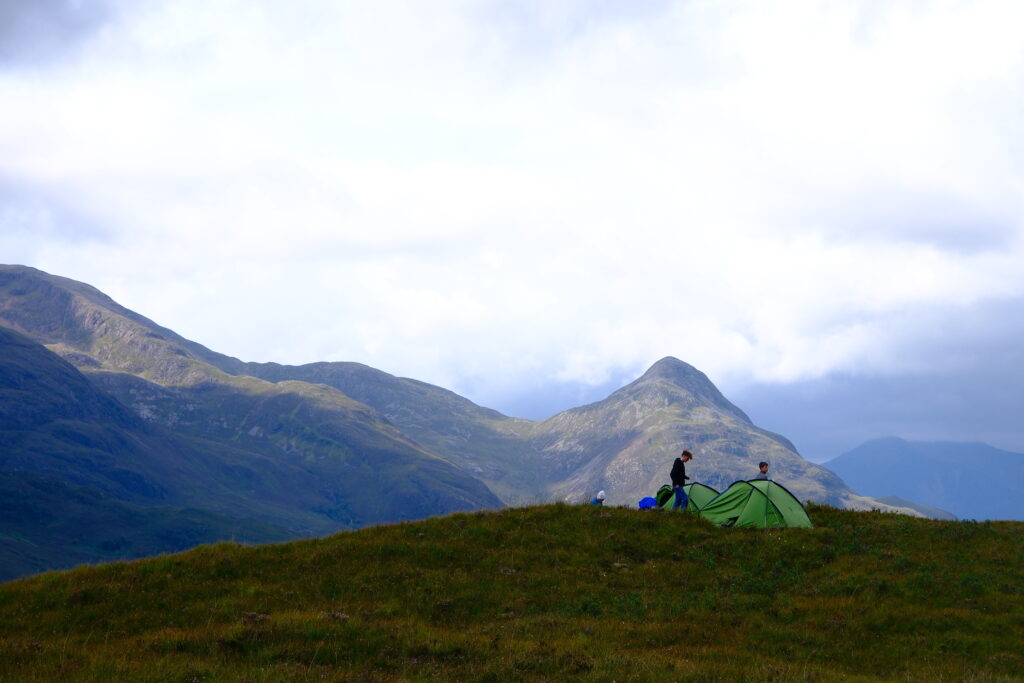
{"points": [[819, 204]]}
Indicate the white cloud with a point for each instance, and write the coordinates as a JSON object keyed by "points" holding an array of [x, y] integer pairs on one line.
{"points": [[485, 192]]}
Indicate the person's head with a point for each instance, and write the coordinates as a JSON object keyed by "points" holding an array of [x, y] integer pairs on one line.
{"points": [[686, 456], [763, 466], [600, 495]]}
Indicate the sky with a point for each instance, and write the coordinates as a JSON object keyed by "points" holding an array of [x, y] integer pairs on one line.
{"points": [[819, 204]]}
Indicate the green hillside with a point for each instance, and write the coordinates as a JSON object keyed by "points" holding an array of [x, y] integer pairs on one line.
{"points": [[128, 413], [49, 522], [543, 593]]}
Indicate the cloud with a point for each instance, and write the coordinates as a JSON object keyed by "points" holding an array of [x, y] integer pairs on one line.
{"points": [[481, 194], [33, 31], [960, 378]]}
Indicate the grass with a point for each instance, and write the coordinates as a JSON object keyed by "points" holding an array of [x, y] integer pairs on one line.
{"points": [[543, 593]]}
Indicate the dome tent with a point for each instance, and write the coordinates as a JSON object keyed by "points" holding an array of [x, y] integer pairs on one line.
{"points": [[699, 495], [758, 503]]}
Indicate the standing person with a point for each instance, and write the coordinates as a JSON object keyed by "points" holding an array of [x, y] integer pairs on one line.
{"points": [[599, 499], [763, 474], [679, 479]]}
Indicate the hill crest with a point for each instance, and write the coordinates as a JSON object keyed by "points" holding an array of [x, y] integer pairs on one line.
{"points": [[551, 592]]}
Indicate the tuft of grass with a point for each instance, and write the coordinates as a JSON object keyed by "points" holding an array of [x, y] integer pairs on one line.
{"points": [[543, 593]]}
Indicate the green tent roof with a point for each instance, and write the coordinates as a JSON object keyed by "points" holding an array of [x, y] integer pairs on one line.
{"points": [[757, 503], [699, 495]]}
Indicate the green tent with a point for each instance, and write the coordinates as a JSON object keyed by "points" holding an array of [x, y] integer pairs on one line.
{"points": [[758, 503], [699, 495]]}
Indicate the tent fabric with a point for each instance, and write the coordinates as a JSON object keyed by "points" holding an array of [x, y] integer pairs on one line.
{"points": [[699, 495], [648, 502], [664, 494], [757, 503]]}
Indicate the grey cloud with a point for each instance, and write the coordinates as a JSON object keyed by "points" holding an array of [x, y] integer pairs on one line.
{"points": [[947, 374], [829, 416], [33, 31], [967, 385]]}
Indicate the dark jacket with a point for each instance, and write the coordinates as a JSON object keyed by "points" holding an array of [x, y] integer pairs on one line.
{"points": [[679, 472]]}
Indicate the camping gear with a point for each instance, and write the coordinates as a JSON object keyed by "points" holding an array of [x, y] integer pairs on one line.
{"points": [[699, 495], [663, 495], [647, 503], [757, 503]]}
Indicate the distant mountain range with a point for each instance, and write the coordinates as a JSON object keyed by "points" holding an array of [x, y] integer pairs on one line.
{"points": [[971, 480], [104, 414]]}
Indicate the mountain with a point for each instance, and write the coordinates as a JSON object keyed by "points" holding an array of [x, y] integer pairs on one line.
{"points": [[554, 593], [131, 413], [77, 470], [481, 441], [623, 444], [49, 523], [925, 510], [142, 416], [971, 480]]}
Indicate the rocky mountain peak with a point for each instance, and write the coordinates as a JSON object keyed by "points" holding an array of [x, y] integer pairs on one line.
{"points": [[671, 368], [677, 381]]}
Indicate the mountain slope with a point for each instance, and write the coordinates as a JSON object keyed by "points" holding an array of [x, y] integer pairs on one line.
{"points": [[625, 444], [146, 419], [77, 470], [49, 523], [327, 446], [926, 510], [971, 480], [479, 440], [292, 454]]}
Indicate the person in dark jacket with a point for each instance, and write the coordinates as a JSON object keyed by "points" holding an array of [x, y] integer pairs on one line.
{"points": [[679, 479]]}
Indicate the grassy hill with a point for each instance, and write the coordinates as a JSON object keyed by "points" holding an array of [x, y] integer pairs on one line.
{"points": [[543, 593]]}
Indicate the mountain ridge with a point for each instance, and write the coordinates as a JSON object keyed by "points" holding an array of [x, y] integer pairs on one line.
{"points": [[295, 456], [972, 480], [326, 446]]}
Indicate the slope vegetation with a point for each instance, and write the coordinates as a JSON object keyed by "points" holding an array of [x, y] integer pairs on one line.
{"points": [[543, 593]]}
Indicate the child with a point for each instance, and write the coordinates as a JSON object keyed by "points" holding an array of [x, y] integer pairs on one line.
{"points": [[763, 474]]}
